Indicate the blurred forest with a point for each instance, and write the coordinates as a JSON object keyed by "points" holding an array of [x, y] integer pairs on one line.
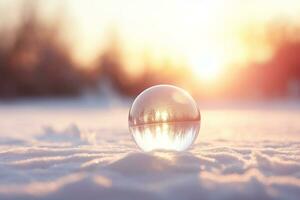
{"points": [[35, 62]]}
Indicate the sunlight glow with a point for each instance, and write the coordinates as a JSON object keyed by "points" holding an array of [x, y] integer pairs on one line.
{"points": [[195, 33], [159, 116], [207, 67], [164, 136], [164, 116]]}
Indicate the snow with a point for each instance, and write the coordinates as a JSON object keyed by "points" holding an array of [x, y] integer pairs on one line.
{"points": [[79, 150]]}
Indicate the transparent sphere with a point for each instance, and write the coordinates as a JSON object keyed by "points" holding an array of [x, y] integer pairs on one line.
{"points": [[164, 117]]}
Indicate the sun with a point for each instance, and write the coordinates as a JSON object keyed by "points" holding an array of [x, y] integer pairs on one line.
{"points": [[207, 67]]}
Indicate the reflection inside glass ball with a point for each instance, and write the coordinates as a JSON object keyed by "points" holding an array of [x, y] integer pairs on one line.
{"points": [[170, 136], [164, 117]]}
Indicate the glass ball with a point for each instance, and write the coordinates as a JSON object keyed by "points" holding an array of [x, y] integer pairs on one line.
{"points": [[164, 117]]}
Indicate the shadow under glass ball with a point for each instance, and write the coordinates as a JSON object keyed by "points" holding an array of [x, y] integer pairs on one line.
{"points": [[164, 117]]}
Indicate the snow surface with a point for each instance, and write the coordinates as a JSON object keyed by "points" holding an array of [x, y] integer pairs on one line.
{"points": [[83, 150]]}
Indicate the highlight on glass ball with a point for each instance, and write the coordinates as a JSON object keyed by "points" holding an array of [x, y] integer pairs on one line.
{"points": [[164, 117]]}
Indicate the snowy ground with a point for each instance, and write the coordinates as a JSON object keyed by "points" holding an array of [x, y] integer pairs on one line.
{"points": [[81, 150]]}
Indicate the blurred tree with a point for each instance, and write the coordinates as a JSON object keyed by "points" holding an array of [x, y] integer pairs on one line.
{"points": [[111, 68], [37, 63]]}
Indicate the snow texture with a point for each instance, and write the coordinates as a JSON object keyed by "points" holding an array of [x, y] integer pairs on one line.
{"points": [[69, 157]]}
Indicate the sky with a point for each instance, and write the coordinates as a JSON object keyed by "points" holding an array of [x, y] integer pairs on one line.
{"points": [[205, 35]]}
